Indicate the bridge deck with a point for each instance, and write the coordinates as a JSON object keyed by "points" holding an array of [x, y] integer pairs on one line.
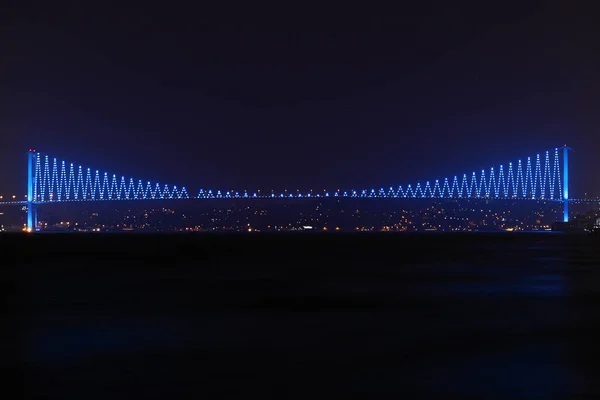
{"points": [[576, 201]]}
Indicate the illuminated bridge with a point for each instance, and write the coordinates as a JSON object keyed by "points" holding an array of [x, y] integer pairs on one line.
{"points": [[544, 176]]}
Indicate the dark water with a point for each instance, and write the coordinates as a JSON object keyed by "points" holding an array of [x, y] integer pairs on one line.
{"points": [[295, 316]]}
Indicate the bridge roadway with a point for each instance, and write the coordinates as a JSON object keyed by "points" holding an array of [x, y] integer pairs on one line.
{"points": [[9, 203]]}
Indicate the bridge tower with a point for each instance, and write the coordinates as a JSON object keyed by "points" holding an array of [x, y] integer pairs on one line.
{"points": [[566, 183], [31, 205]]}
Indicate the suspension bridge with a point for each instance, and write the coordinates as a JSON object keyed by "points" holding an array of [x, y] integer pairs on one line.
{"points": [[544, 176]]}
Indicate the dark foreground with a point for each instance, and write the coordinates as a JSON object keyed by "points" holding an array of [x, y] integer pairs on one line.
{"points": [[512, 316]]}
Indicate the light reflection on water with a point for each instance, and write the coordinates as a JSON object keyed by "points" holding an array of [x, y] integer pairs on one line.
{"points": [[537, 371], [521, 368], [66, 344], [536, 285]]}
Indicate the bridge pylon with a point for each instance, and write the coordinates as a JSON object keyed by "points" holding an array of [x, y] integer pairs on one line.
{"points": [[31, 205], [565, 196]]}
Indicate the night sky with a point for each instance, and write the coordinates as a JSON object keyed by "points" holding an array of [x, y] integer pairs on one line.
{"points": [[299, 96]]}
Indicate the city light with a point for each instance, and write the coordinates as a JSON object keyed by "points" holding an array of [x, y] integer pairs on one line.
{"points": [[541, 177]]}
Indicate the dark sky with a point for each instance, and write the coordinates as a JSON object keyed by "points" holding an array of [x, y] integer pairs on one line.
{"points": [[299, 96]]}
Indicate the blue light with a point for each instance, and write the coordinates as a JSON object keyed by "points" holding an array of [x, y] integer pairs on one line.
{"points": [[565, 196], [53, 181], [511, 180], [53, 184], [418, 193]]}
